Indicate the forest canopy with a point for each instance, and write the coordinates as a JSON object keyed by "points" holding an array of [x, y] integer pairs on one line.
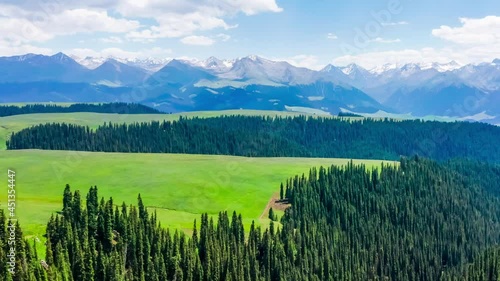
{"points": [[116, 107], [275, 137]]}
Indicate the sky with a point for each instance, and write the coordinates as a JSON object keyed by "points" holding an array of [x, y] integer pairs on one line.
{"points": [[310, 33]]}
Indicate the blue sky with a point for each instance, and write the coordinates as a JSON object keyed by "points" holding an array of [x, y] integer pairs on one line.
{"points": [[305, 33]]}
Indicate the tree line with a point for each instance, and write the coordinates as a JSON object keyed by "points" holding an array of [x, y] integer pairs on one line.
{"points": [[274, 136], [115, 107], [420, 220]]}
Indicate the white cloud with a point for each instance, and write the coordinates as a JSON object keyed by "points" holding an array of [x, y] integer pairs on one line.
{"points": [[22, 26], [120, 53], [8, 49], [385, 41], [197, 40], [83, 20], [223, 37], [155, 8], [331, 36], [394, 23], [145, 8], [112, 40], [183, 18], [171, 25], [34, 20], [477, 40], [473, 31], [253, 7], [18, 30]]}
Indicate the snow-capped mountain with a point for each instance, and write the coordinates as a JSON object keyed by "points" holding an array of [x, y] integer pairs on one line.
{"points": [[213, 64], [258, 83], [430, 88], [385, 68], [253, 83], [149, 64], [484, 75], [335, 74], [382, 82], [113, 72], [89, 62], [31, 67], [258, 70], [352, 75], [441, 67]]}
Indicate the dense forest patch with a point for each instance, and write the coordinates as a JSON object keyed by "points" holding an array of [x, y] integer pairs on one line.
{"points": [[274, 137], [116, 107]]}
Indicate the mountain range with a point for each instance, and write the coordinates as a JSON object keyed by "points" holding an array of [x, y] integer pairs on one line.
{"points": [[463, 92]]}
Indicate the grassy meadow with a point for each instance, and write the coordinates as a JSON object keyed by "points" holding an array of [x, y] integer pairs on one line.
{"points": [[178, 186]]}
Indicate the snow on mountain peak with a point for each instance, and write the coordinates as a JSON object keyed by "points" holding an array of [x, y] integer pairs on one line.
{"points": [[212, 60], [383, 68], [150, 64], [350, 69], [253, 57], [217, 65], [257, 59], [409, 68], [440, 67], [90, 62]]}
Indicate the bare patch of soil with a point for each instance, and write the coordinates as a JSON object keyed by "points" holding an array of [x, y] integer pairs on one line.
{"points": [[276, 204]]}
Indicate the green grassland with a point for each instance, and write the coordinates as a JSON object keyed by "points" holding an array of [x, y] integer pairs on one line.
{"points": [[178, 186], [15, 123]]}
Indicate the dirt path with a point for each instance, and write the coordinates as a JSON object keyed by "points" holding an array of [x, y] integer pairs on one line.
{"points": [[275, 205]]}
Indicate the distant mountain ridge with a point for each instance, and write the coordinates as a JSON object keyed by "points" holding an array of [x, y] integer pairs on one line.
{"points": [[258, 83]]}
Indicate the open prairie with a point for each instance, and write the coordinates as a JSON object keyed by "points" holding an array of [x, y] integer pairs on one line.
{"points": [[178, 186]]}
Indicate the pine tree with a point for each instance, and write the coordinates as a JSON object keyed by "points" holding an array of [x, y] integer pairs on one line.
{"points": [[272, 215]]}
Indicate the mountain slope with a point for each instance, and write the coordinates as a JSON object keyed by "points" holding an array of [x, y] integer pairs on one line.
{"points": [[443, 99], [118, 73], [30, 68], [257, 83], [324, 96], [257, 70], [49, 91], [484, 76]]}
